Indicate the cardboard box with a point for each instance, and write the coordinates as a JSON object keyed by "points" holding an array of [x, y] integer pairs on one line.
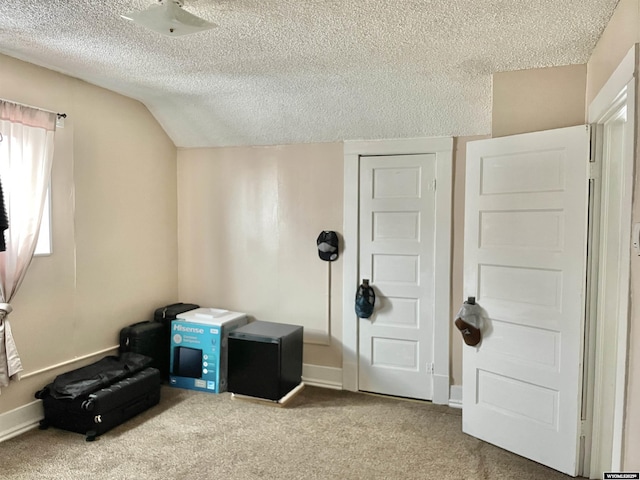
{"points": [[198, 350]]}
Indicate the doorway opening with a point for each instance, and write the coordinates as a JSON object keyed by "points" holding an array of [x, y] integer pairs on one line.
{"points": [[612, 115]]}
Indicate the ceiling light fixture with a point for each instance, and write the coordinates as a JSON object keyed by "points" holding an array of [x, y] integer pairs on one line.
{"points": [[168, 18]]}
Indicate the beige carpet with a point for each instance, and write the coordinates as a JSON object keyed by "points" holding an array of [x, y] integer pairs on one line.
{"points": [[322, 434]]}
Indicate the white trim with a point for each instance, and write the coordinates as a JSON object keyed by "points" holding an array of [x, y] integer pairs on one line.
{"points": [[442, 314], [319, 376], [20, 420], [455, 396], [623, 80], [350, 269], [625, 278], [441, 382], [617, 81], [353, 149], [399, 146], [68, 362]]}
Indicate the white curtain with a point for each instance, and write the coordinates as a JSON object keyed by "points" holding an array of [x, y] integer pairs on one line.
{"points": [[26, 154]]}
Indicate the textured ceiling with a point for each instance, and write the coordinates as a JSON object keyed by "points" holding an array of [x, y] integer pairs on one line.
{"points": [[296, 71]]}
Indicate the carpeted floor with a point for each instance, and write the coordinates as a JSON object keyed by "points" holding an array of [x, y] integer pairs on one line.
{"points": [[321, 434]]}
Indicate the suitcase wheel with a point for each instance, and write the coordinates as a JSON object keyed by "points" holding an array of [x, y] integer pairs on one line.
{"points": [[91, 435], [43, 425], [87, 405]]}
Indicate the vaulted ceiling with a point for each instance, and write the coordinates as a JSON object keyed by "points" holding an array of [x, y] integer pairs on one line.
{"points": [[298, 71]]}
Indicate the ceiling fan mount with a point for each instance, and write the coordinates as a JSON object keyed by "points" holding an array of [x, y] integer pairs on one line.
{"points": [[169, 18]]}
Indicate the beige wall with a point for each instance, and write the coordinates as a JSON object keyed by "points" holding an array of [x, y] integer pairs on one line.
{"points": [[621, 34], [114, 226], [540, 99], [248, 220], [248, 223]]}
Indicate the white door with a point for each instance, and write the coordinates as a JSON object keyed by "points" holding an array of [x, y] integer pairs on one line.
{"points": [[525, 262], [397, 244]]}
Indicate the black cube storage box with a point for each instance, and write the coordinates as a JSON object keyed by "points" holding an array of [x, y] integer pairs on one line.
{"points": [[265, 359]]}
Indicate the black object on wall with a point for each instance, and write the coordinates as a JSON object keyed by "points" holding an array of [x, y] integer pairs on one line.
{"points": [[328, 245]]}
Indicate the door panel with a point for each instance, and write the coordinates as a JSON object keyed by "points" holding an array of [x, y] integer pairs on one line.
{"points": [[397, 241], [525, 262]]}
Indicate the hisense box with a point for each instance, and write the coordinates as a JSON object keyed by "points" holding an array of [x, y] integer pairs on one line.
{"points": [[198, 349]]}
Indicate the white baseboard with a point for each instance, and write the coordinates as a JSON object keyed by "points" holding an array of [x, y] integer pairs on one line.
{"points": [[455, 396], [325, 377], [20, 420]]}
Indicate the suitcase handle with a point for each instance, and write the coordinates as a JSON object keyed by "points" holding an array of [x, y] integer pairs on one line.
{"points": [[164, 310], [88, 404], [40, 394], [125, 339]]}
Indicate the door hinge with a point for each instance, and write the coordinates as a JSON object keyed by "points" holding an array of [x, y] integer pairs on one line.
{"points": [[432, 185], [592, 143], [595, 152], [430, 368], [583, 428]]}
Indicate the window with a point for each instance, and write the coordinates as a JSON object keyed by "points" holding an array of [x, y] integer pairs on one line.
{"points": [[26, 155]]}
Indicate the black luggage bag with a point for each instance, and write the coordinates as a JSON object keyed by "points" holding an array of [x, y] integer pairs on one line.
{"points": [[165, 315], [94, 399], [168, 313], [147, 338]]}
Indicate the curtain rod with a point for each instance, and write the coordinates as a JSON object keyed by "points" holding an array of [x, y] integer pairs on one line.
{"points": [[59, 115]]}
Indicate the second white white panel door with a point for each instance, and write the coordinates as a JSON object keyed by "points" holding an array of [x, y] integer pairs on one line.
{"points": [[397, 245], [525, 262]]}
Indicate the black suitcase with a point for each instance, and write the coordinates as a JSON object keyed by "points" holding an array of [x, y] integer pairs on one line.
{"points": [[147, 338], [168, 313], [165, 315], [104, 409]]}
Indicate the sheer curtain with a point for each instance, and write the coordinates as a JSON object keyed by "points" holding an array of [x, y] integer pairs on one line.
{"points": [[26, 154]]}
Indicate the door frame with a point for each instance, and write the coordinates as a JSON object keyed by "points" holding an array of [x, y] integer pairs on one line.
{"points": [[624, 79], [442, 147]]}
